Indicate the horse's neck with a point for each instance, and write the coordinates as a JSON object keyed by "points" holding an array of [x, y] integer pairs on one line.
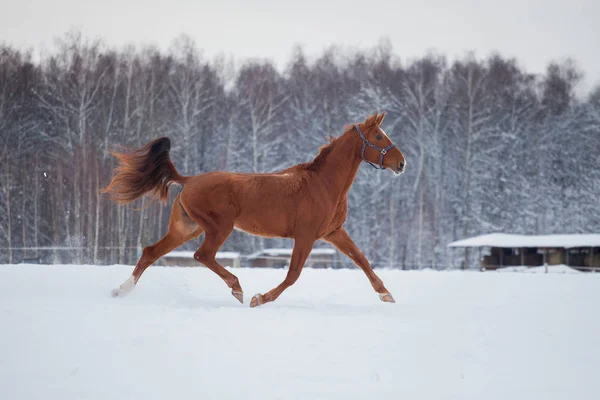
{"points": [[342, 164]]}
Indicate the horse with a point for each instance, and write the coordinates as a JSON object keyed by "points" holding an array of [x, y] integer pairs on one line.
{"points": [[306, 202]]}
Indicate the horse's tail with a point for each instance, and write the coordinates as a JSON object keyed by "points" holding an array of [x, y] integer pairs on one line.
{"points": [[142, 171]]}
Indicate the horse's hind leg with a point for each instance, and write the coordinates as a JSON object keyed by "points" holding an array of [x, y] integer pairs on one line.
{"points": [[207, 252], [181, 229]]}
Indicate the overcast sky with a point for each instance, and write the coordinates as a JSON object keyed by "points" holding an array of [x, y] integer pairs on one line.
{"points": [[533, 31]]}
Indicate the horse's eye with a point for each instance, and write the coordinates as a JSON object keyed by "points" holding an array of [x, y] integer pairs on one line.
{"points": [[378, 137]]}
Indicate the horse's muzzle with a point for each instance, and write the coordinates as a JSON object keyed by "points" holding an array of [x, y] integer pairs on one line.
{"points": [[397, 169]]}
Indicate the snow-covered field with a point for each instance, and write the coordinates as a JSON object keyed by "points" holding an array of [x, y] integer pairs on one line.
{"points": [[181, 335]]}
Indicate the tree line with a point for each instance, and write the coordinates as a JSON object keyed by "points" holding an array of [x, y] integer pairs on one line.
{"points": [[489, 146]]}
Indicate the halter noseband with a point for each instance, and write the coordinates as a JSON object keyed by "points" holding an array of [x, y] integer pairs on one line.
{"points": [[382, 152]]}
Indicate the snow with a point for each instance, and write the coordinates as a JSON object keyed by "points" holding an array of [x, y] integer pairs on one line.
{"points": [[180, 334], [513, 241]]}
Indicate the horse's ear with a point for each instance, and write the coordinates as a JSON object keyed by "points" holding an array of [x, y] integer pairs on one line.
{"points": [[380, 118], [371, 120]]}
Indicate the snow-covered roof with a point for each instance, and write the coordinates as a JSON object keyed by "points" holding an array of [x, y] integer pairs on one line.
{"points": [[190, 254], [513, 241], [288, 252], [285, 252]]}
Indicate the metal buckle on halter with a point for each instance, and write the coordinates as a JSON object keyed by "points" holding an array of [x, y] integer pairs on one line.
{"points": [[383, 152]]}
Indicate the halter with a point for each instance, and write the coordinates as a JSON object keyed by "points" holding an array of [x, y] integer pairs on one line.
{"points": [[382, 152]]}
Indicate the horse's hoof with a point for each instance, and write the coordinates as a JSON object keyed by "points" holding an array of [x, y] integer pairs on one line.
{"points": [[124, 289], [386, 297], [257, 300], [239, 296]]}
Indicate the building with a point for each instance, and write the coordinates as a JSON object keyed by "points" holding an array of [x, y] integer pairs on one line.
{"points": [[280, 258], [186, 259], [580, 251]]}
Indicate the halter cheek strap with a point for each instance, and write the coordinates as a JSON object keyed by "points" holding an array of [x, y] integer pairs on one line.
{"points": [[382, 151]]}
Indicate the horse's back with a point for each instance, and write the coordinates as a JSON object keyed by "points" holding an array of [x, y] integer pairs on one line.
{"points": [[248, 184]]}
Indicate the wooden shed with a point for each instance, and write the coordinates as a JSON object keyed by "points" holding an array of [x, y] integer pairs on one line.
{"points": [[580, 251]]}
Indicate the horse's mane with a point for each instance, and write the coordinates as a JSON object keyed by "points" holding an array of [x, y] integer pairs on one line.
{"points": [[318, 162]]}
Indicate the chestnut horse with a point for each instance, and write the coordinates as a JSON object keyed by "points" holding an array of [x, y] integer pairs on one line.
{"points": [[306, 202]]}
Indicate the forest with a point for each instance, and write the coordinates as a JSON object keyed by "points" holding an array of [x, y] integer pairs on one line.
{"points": [[489, 147]]}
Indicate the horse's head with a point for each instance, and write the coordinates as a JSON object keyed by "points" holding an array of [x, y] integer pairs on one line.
{"points": [[378, 149]]}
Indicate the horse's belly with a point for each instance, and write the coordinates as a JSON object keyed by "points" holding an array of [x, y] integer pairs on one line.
{"points": [[262, 228]]}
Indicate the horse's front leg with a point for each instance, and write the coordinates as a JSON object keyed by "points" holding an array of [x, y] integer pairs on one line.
{"points": [[301, 251], [342, 241]]}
